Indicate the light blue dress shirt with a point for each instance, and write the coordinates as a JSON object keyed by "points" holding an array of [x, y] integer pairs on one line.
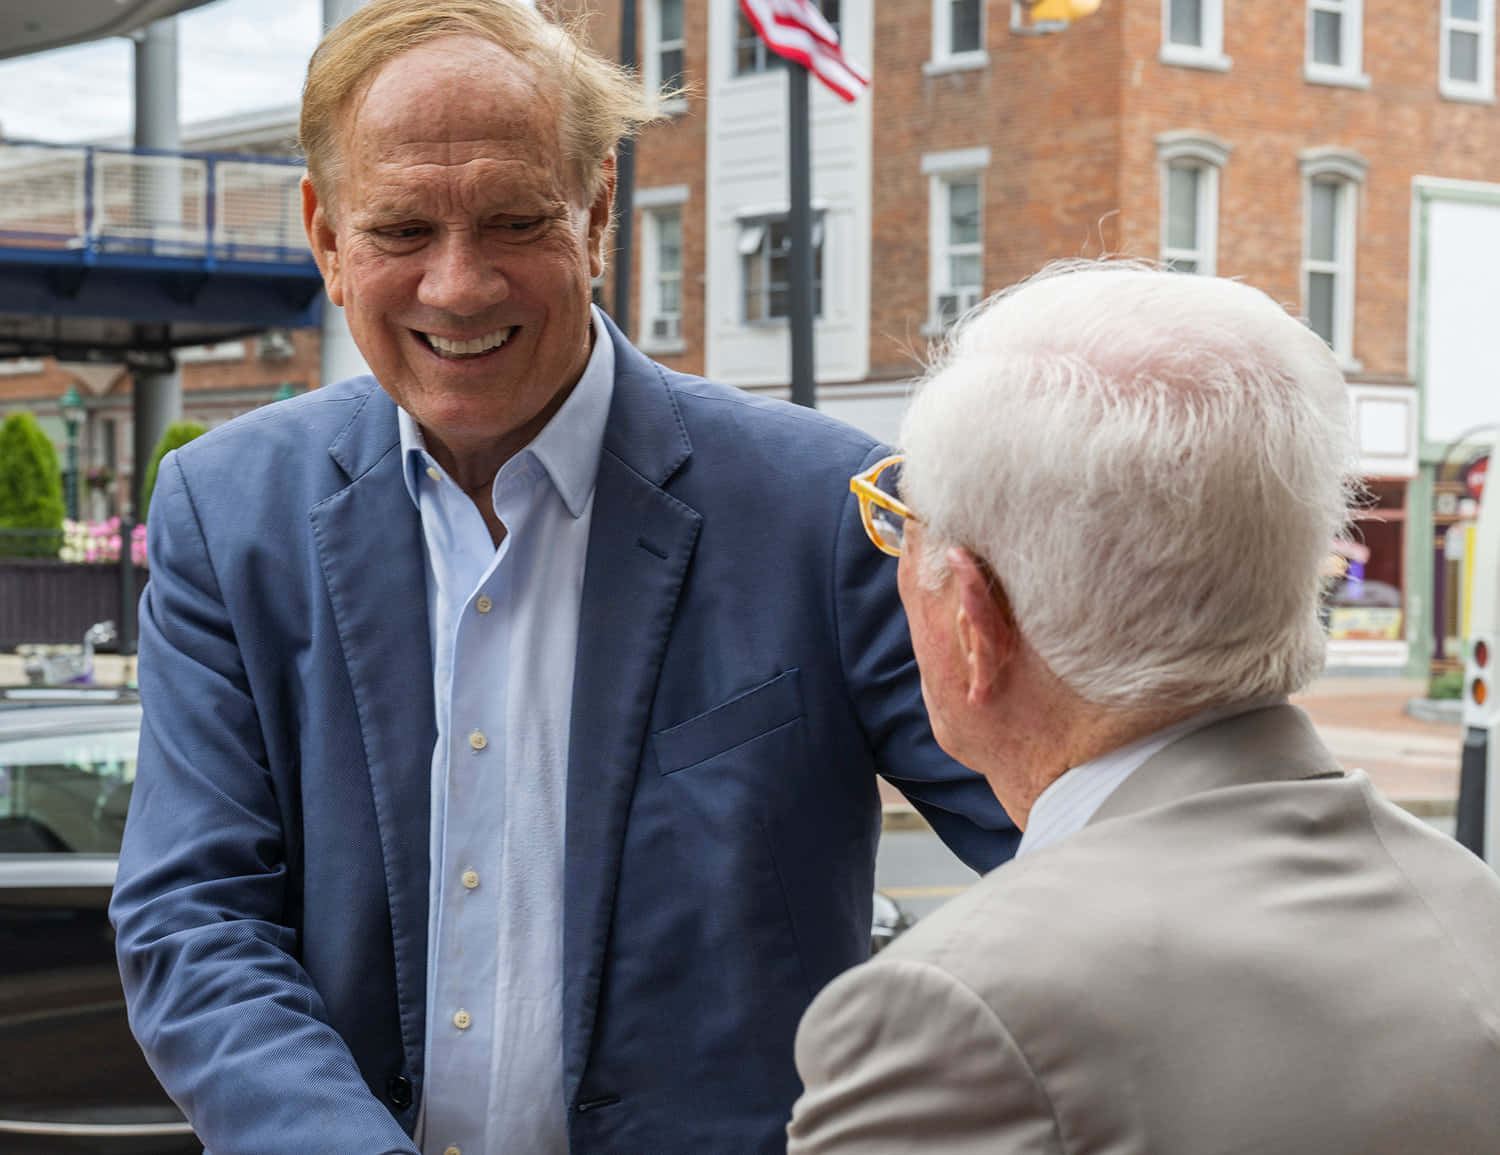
{"points": [[1070, 800], [504, 626]]}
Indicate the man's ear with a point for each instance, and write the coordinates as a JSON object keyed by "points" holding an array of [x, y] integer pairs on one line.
{"points": [[600, 215], [322, 238], [986, 631]]}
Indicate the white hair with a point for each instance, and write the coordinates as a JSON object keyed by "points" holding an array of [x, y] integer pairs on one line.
{"points": [[1153, 464]]}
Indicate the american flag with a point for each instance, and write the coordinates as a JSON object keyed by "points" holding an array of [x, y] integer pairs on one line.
{"points": [[796, 30]]}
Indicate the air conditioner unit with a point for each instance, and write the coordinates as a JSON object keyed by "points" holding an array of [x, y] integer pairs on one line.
{"points": [[276, 345], [666, 328], [952, 306]]}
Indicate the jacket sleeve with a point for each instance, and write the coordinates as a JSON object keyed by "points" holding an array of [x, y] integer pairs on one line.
{"points": [[898, 1056], [875, 649], [226, 1015]]}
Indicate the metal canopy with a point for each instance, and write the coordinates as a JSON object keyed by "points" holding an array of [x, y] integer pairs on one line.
{"points": [[28, 26]]}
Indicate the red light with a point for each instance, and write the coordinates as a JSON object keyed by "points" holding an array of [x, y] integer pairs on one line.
{"points": [[1481, 653]]}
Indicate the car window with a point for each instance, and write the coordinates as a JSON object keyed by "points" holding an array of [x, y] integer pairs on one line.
{"points": [[66, 793]]}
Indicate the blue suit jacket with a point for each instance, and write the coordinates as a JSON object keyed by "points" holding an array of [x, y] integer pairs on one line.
{"points": [[743, 672]]}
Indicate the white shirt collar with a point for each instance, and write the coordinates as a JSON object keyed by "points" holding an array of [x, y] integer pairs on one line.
{"points": [[568, 445], [1071, 799]]}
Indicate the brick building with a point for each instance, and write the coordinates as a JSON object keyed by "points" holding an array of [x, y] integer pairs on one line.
{"points": [[1298, 144], [1343, 155]]}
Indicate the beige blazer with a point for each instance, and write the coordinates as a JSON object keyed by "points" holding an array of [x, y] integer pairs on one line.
{"points": [[1245, 951]]}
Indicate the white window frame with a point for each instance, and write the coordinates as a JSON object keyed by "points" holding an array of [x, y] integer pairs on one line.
{"points": [[655, 46], [755, 225], [1483, 89], [944, 169], [1208, 54], [1349, 71], [1346, 171], [653, 204], [944, 58], [1208, 154]]}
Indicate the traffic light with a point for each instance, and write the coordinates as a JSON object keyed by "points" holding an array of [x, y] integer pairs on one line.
{"points": [[1060, 11]]}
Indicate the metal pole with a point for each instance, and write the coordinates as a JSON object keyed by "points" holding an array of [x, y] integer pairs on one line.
{"points": [[72, 494], [338, 356], [799, 224], [625, 184], [156, 400]]}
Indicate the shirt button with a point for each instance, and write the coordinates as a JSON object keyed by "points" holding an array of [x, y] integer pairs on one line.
{"points": [[471, 879], [433, 473], [478, 741], [462, 1020], [483, 604]]}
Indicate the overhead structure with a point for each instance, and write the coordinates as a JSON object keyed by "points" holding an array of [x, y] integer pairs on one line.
{"points": [[93, 266], [29, 26]]}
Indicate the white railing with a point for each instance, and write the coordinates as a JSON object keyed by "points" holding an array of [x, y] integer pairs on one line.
{"points": [[152, 204]]}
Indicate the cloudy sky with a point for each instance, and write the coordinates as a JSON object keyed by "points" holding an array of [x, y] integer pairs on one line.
{"points": [[236, 55]]}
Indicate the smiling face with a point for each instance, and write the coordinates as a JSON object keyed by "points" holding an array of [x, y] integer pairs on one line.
{"points": [[461, 248]]}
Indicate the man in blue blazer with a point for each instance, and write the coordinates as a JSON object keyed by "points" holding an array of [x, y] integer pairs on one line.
{"points": [[512, 716]]}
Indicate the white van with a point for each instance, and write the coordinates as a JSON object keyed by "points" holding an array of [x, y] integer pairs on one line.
{"points": [[1479, 782]]}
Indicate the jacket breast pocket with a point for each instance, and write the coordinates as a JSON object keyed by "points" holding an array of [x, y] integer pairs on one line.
{"points": [[742, 719]]}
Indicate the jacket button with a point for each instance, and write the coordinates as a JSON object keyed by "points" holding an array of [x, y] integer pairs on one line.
{"points": [[398, 1091]]}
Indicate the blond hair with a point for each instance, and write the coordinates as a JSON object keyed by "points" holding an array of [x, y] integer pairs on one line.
{"points": [[602, 102]]}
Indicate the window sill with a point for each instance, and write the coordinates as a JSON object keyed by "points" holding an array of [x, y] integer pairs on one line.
{"points": [[1466, 94], [934, 329], [1184, 57], [958, 62], [675, 106], [1321, 74], [662, 348]]}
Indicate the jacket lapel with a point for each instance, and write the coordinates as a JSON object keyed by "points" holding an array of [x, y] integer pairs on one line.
{"points": [[640, 543], [1272, 744], [369, 543]]}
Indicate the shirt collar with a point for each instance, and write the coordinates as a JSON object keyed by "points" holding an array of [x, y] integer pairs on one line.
{"points": [[1071, 799], [568, 445]]}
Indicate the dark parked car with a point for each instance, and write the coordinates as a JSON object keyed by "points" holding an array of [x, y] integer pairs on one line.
{"points": [[72, 1080]]}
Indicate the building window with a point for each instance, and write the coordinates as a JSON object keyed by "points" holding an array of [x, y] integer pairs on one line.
{"points": [[661, 279], [957, 35], [1335, 42], [765, 268], [955, 260], [1190, 164], [1467, 66], [1331, 181], [750, 51], [664, 49], [1192, 33]]}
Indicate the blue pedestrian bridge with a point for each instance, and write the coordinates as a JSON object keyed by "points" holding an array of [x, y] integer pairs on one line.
{"points": [[111, 253]]}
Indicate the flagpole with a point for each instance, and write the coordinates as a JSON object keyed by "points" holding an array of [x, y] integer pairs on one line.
{"points": [[799, 225]]}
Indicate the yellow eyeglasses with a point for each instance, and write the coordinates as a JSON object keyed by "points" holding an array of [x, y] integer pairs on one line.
{"points": [[883, 513]]}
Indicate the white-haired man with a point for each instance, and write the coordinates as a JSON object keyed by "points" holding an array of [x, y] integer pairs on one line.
{"points": [[1118, 487]]}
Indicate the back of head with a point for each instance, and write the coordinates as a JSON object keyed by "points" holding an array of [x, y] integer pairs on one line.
{"points": [[602, 103], [1154, 465]]}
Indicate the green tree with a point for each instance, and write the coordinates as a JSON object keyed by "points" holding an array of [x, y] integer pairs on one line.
{"points": [[31, 497], [178, 434]]}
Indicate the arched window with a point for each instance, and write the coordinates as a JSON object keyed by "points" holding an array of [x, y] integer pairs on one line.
{"points": [[1190, 163]]}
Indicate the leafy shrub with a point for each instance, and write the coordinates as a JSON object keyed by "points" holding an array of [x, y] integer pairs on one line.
{"points": [[178, 434], [1446, 686], [31, 498]]}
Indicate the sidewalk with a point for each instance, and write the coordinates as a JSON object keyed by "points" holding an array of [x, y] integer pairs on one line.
{"points": [[1364, 722]]}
